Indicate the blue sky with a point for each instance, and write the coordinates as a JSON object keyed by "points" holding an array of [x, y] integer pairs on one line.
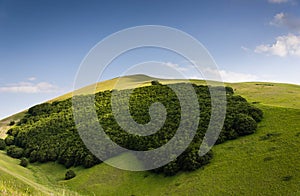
{"points": [[42, 43]]}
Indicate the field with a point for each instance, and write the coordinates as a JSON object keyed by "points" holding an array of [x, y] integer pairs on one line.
{"points": [[264, 163]]}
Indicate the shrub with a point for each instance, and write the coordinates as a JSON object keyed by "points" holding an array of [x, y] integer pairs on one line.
{"points": [[70, 174], [155, 82], [33, 156], [229, 90], [244, 124], [89, 161], [24, 162], [11, 123], [15, 152], [9, 140], [256, 114], [2, 144], [13, 131]]}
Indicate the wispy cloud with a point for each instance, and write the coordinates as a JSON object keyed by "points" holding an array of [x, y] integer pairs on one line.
{"points": [[31, 78], [209, 73], [245, 49], [278, 1], [230, 76], [287, 21], [176, 66], [287, 45], [29, 87]]}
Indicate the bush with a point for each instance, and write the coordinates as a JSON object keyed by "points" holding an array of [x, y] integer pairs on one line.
{"points": [[2, 144], [24, 162], [256, 114], [89, 161], [11, 123], [244, 124], [9, 140], [33, 156], [13, 131], [15, 152], [155, 82], [70, 174], [229, 90]]}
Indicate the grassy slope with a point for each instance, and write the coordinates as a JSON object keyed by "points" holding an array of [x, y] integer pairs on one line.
{"points": [[249, 165], [256, 164], [271, 94]]}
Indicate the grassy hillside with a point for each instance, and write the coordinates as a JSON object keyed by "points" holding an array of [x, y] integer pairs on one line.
{"points": [[266, 162], [271, 94]]}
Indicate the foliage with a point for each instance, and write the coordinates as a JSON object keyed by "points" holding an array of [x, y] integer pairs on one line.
{"points": [[155, 82], [9, 140], [47, 132], [70, 174], [11, 123], [2, 144], [15, 152], [23, 162], [244, 125]]}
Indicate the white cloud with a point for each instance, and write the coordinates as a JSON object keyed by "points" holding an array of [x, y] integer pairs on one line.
{"points": [[31, 78], [245, 49], [287, 45], [230, 76], [278, 1], [29, 87], [285, 20], [188, 70], [212, 74], [176, 66]]}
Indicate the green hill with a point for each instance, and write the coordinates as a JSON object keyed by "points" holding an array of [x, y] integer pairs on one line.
{"points": [[266, 162]]}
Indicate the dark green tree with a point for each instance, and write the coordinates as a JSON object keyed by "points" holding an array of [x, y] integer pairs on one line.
{"points": [[2, 144], [244, 124], [15, 151], [155, 82], [69, 174], [24, 162], [9, 140], [11, 123]]}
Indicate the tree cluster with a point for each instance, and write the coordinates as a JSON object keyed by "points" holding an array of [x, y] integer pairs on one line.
{"points": [[48, 132]]}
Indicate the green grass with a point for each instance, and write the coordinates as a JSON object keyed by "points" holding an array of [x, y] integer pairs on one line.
{"points": [[272, 94], [36, 179], [238, 167], [12, 186], [264, 163], [249, 165]]}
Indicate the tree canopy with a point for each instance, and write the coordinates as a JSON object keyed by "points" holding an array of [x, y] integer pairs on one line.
{"points": [[48, 133]]}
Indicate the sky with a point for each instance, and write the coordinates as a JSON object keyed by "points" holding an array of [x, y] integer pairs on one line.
{"points": [[42, 43]]}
